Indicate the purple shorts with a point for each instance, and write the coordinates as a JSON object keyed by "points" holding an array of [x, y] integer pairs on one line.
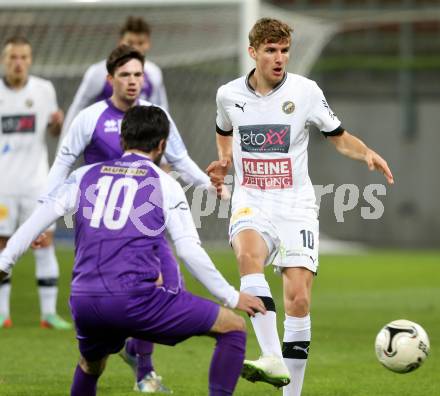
{"points": [[103, 323]]}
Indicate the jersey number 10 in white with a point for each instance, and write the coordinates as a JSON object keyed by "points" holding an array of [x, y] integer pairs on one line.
{"points": [[112, 191]]}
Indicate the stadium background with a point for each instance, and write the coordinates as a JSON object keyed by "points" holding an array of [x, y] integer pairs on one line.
{"points": [[377, 61]]}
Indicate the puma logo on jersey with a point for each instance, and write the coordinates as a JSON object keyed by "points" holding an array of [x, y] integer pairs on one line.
{"points": [[240, 107]]}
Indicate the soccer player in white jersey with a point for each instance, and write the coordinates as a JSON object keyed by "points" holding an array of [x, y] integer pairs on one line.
{"points": [[262, 128], [96, 133], [135, 32], [28, 107]]}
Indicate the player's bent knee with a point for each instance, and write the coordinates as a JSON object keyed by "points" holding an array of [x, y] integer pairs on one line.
{"points": [[241, 324], [246, 257], [228, 321], [298, 306], [93, 368], [250, 262]]}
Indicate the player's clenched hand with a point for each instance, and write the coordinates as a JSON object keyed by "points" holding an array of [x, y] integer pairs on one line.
{"points": [[217, 170], [40, 241], [250, 304], [376, 162], [56, 122], [57, 117]]}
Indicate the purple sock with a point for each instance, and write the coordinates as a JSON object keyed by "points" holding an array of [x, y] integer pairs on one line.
{"points": [[226, 363], [130, 347], [83, 384], [143, 351]]}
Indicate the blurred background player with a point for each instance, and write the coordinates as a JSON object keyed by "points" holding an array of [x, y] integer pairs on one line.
{"points": [[114, 290], [95, 132], [28, 107], [262, 127], [135, 32]]}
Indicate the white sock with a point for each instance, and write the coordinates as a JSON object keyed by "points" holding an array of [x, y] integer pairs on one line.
{"points": [[265, 326], [48, 299], [297, 335], [5, 293], [47, 278]]}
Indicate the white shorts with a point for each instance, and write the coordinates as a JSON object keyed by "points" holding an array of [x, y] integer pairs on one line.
{"points": [[292, 239], [14, 211]]}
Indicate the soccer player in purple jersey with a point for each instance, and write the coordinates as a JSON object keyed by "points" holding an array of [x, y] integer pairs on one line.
{"points": [[135, 32], [122, 208], [95, 133]]}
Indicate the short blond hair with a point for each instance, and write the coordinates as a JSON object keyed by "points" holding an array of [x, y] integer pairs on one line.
{"points": [[269, 30]]}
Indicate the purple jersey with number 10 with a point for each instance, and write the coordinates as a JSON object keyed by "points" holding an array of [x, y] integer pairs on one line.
{"points": [[120, 228]]}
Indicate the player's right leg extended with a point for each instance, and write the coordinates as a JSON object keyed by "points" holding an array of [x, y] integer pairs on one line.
{"points": [[252, 252]]}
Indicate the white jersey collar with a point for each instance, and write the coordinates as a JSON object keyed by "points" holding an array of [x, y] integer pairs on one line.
{"points": [[137, 153], [274, 89]]}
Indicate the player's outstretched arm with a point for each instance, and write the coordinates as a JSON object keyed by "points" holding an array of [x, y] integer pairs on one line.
{"points": [[60, 202], [17, 245], [355, 148]]}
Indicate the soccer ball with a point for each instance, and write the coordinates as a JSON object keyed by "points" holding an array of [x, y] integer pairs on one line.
{"points": [[402, 346]]}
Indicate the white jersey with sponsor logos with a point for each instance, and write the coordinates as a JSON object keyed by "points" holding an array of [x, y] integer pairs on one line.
{"points": [[24, 117], [270, 139]]}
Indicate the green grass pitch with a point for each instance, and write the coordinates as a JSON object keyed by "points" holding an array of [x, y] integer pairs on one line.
{"points": [[354, 296]]}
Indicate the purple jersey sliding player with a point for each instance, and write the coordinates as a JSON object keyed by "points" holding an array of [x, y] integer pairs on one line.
{"points": [[122, 208], [95, 132]]}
